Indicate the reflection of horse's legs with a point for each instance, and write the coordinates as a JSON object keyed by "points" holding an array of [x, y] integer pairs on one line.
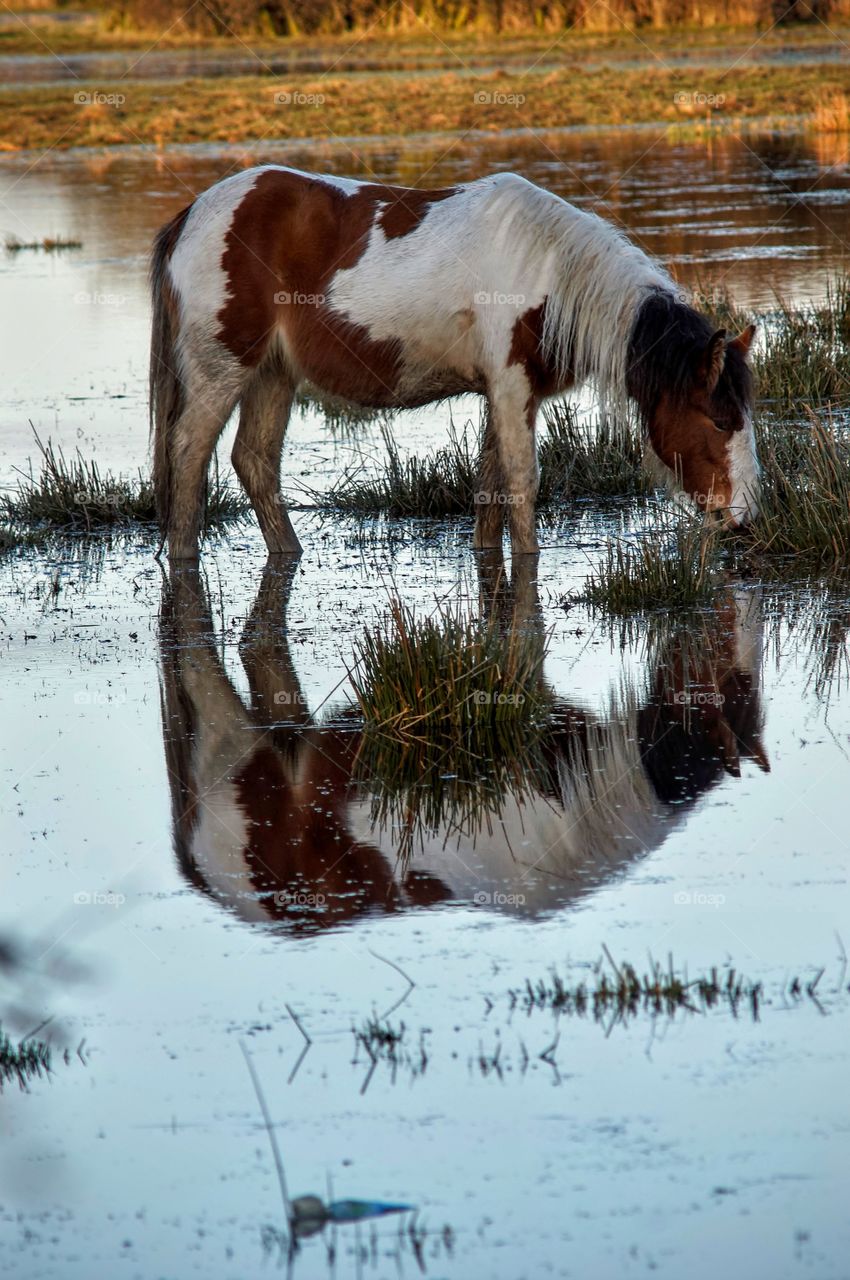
{"points": [[276, 692], [514, 600]]}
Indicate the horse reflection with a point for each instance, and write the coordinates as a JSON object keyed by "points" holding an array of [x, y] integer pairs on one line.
{"points": [[274, 816]]}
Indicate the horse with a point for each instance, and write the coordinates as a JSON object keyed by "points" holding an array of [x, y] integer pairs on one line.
{"points": [[273, 819], [275, 280]]}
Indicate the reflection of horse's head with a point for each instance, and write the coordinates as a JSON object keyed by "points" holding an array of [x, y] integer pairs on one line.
{"points": [[275, 816]]}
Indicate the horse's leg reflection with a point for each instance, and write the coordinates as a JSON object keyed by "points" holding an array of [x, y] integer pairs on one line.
{"points": [[261, 795]]}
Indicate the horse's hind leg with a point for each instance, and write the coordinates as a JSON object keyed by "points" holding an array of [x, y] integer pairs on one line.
{"points": [[263, 417], [489, 494], [194, 437]]}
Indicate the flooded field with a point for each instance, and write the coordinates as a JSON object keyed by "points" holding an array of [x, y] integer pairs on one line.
{"points": [[428, 971]]}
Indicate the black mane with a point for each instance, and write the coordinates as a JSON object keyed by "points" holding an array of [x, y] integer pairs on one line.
{"points": [[667, 341]]}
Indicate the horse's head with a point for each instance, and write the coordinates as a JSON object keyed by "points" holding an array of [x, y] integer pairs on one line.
{"points": [[695, 392]]}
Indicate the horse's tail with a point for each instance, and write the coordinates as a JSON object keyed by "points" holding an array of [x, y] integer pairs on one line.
{"points": [[167, 393]]}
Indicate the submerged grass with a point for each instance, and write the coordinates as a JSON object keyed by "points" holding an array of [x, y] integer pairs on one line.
{"points": [[75, 495]]}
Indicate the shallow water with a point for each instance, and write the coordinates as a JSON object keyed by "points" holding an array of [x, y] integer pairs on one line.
{"points": [[168, 832], [193, 851]]}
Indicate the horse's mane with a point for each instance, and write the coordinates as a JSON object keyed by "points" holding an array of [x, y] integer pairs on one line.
{"points": [[596, 281]]}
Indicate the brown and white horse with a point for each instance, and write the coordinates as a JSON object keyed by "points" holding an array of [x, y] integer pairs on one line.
{"points": [[274, 820], [392, 297]]}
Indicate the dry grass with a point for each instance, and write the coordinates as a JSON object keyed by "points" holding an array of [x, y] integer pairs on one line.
{"points": [[75, 495], [237, 109]]}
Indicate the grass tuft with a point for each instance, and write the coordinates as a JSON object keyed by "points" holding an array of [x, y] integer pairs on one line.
{"points": [[445, 675], [676, 567], [75, 495], [805, 501]]}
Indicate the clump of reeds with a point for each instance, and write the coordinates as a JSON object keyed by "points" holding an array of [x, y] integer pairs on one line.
{"points": [[446, 673], [47, 244], [580, 458], [577, 459], [441, 483], [804, 509], [74, 494], [674, 567]]}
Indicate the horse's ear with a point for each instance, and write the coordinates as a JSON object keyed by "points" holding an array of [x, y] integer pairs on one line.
{"points": [[744, 340], [711, 361]]}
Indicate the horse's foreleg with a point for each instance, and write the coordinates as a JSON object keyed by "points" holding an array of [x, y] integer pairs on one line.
{"points": [[489, 495], [263, 418], [513, 409]]}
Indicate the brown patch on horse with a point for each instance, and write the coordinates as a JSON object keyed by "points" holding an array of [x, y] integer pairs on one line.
{"points": [[405, 207], [526, 350], [289, 236]]}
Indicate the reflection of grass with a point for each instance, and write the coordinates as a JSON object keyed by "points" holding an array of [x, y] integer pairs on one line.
{"points": [[76, 495], [677, 567], [455, 711], [233, 109], [618, 993], [22, 1062], [450, 783]]}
